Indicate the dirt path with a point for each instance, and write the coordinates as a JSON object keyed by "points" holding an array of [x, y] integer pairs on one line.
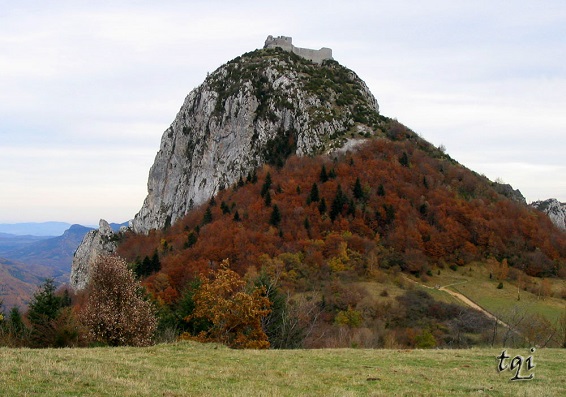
{"points": [[472, 304], [464, 299]]}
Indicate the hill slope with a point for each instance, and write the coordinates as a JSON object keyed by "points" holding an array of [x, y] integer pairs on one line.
{"points": [[322, 226], [19, 281], [406, 202], [28, 260]]}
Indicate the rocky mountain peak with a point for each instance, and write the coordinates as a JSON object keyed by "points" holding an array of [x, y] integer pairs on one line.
{"points": [[258, 108], [555, 210]]}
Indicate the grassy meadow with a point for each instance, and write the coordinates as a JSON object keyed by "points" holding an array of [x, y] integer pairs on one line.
{"points": [[192, 369], [474, 282]]}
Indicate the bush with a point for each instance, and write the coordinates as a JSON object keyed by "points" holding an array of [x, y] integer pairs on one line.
{"points": [[115, 313], [500, 285]]}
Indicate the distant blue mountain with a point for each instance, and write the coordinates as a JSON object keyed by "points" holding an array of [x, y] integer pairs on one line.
{"points": [[42, 229], [55, 252], [27, 259], [35, 228]]}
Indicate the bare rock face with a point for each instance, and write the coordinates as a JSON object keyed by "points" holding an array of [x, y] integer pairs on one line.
{"points": [[555, 210], [258, 108], [95, 243]]}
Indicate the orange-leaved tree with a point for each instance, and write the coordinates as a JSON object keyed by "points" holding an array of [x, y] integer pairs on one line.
{"points": [[234, 310]]}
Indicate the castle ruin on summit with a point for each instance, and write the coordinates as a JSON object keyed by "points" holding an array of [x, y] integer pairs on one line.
{"points": [[286, 44]]}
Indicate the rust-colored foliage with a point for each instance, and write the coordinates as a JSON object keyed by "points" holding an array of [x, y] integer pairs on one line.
{"points": [[414, 216]]}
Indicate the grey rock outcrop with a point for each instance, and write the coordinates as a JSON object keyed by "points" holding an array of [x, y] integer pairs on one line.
{"points": [[507, 190], [259, 108], [555, 210], [94, 244]]}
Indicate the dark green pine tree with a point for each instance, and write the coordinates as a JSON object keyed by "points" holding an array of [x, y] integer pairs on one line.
{"points": [[155, 263], [144, 269], [322, 206], [404, 159], [15, 323], [267, 199], [338, 203], [266, 185], [225, 208], [207, 218], [44, 305], [323, 174], [314, 195], [380, 190], [275, 217], [192, 238], [236, 216], [351, 208], [358, 190], [43, 309]]}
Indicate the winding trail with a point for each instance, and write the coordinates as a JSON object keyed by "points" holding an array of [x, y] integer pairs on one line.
{"points": [[465, 300]]}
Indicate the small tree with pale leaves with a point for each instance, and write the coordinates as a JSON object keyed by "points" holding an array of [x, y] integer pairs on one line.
{"points": [[115, 312]]}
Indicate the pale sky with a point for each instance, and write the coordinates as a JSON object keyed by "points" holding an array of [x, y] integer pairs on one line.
{"points": [[87, 88]]}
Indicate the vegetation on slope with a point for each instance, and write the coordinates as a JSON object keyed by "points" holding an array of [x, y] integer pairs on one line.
{"points": [[317, 227]]}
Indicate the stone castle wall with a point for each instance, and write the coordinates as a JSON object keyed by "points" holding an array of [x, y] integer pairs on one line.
{"points": [[286, 43]]}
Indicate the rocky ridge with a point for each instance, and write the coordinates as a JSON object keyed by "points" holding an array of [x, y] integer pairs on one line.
{"points": [[555, 210], [94, 244]]}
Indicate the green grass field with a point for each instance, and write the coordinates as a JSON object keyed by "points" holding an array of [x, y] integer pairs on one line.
{"points": [[192, 369]]}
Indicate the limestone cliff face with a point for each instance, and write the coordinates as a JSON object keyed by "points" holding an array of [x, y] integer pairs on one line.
{"points": [[258, 108], [95, 243], [555, 210]]}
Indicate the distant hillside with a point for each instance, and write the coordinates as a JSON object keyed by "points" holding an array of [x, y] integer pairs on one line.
{"points": [[19, 281], [55, 252], [9, 242], [27, 260]]}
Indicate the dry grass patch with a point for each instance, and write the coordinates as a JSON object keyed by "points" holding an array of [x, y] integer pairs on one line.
{"points": [[192, 369]]}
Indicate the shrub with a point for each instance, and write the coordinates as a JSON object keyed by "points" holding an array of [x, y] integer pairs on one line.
{"points": [[115, 313]]}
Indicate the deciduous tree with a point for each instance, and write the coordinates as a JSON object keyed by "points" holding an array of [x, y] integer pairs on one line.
{"points": [[234, 312], [115, 313]]}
